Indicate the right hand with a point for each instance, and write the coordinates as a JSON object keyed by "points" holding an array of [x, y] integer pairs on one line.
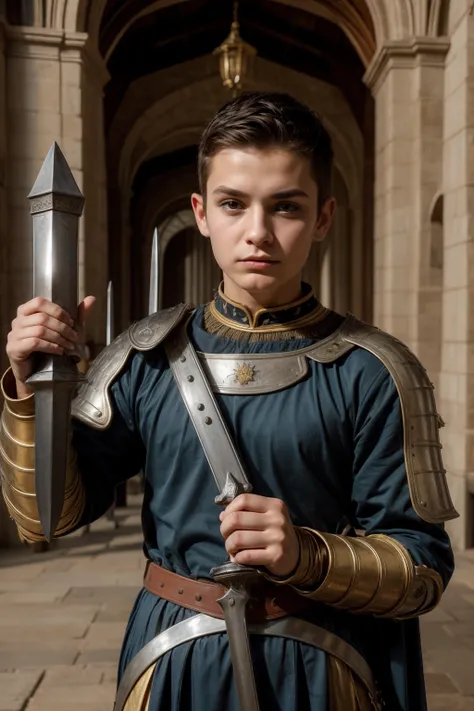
{"points": [[42, 327]]}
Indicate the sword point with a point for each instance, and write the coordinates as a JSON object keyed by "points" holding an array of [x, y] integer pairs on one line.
{"points": [[55, 176]]}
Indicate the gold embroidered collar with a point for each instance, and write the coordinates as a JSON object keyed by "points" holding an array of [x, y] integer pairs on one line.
{"points": [[293, 316]]}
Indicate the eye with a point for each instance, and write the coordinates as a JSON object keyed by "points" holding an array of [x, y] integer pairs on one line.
{"points": [[287, 207], [231, 205]]}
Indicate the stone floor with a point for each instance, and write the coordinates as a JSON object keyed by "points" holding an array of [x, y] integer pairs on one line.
{"points": [[63, 612]]}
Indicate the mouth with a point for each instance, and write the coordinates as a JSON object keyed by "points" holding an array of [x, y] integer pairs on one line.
{"points": [[259, 260]]}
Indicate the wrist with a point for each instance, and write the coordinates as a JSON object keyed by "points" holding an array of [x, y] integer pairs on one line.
{"points": [[22, 390], [311, 565], [20, 403]]}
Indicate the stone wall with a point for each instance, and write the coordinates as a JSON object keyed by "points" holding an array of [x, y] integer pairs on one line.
{"points": [[457, 376]]}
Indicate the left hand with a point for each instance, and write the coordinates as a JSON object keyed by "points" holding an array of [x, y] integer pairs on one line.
{"points": [[258, 531]]}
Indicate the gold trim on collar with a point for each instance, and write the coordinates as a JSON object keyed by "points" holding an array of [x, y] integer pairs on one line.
{"points": [[253, 319], [315, 316]]}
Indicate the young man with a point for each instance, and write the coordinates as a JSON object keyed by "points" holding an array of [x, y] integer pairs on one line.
{"points": [[337, 429]]}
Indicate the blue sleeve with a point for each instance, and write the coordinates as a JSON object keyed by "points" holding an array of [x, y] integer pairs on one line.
{"points": [[109, 457], [380, 493]]}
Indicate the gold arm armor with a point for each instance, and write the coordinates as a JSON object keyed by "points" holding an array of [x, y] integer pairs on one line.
{"points": [[91, 405], [371, 575], [421, 422], [17, 461]]}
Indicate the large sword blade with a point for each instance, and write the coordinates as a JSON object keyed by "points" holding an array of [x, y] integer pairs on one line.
{"points": [[56, 204], [154, 295], [239, 580]]}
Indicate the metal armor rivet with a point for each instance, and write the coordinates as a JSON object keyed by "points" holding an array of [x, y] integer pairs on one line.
{"points": [[423, 503], [180, 591], [183, 359], [190, 378], [198, 598], [200, 407], [231, 601], [208, 421]]}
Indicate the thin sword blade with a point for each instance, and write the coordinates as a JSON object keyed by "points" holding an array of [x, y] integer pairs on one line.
{"points": [[110, 330], [234, 602], [154, 295]]}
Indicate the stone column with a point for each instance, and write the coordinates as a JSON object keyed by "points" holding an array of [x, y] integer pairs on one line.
{"points": [[457, 369], [52, 95], [4, 312], [406, 78]]}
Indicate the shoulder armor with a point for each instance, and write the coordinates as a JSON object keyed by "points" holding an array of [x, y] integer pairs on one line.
{"points": [[92, 402], [421, 422]]}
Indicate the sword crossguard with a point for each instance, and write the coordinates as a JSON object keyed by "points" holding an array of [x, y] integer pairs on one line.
{"points": [[233, 488]]}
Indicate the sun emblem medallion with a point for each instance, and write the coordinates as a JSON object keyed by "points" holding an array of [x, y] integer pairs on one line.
{"points": [[244, 373]]}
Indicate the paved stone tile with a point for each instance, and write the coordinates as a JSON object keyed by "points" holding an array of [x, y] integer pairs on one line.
{"points": [[46, 614], [103, 634], [439, 684], [438, 615], [101, 595], [93, 656], [75, 705], [78, 675], [86, 693], [16, 636], [28, 598], [42, 658], [445, 702], [16, 688]]}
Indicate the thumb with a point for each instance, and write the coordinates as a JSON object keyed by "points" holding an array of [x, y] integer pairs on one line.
{"points": [[83, 309]]}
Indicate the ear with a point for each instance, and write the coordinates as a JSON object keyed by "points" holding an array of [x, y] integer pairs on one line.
{"points": [[325, 218], [197, 202]]}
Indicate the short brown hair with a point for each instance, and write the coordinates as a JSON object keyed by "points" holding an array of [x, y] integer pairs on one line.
{"points": [[264, 120]]}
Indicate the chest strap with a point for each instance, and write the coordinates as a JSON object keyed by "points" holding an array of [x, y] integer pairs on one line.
{"points": [[214, 436]]}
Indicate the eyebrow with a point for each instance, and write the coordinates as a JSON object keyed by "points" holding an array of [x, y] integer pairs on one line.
{"points": [[282, 195]]}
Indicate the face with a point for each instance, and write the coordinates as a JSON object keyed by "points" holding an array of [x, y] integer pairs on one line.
{"points": [[261, 216]]}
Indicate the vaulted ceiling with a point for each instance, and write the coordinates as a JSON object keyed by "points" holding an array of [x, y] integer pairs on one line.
{"points": [[298, 39]]}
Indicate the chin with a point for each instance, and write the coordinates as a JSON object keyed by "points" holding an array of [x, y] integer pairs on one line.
{"points": [[258, 283]]}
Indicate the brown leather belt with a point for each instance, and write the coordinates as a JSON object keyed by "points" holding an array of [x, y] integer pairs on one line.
{"points": [[270, 603]]}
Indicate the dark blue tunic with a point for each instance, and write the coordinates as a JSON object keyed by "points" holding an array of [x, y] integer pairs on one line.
{"points": [[331, 447]]}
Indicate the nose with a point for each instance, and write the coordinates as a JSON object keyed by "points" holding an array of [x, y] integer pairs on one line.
{"points": [[259, 230]]}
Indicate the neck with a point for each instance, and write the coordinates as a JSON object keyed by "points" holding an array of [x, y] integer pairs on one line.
{"points": [[271, 298]]}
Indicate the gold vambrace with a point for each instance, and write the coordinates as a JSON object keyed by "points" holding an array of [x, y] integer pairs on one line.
{"points": [[17, 473], [374, 574]]}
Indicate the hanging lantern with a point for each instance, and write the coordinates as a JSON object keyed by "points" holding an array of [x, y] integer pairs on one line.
{"points": [[235, 57]]}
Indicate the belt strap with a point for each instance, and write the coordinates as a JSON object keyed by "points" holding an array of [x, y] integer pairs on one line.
{"points": [[215, 438], [202, 625], [270, 601]]}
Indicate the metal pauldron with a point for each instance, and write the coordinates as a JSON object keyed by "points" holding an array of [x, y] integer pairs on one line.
{"points": [[92, 403], [421, 422]]}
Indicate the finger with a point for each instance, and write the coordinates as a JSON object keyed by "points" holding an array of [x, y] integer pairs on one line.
{"points": [[84, 308], [38, 345], [243, 540], [241, 521], [40, 305], [259, 557], [41, 333], [248, 502], [42, 320]]}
